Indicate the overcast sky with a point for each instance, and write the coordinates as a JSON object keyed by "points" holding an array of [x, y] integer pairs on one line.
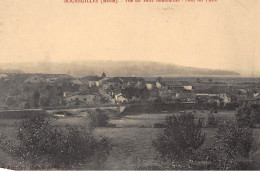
{"points": [[222, 35]]}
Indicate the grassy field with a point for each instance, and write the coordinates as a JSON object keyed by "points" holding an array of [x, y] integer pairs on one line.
{"points": [[132, 138]]}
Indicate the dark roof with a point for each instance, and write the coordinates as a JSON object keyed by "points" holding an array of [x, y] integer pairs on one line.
{"points": [[91, 78], [132, 79], [175, 83], [115, 79]]}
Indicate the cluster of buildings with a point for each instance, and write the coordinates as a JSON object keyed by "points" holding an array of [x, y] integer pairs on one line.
{"points": [[98, 90]]}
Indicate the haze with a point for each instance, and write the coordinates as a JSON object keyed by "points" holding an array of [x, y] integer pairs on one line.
{"points": [[222, 35]]}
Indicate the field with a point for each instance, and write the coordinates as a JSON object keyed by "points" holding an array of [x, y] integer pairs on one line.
{"points": [[132, 138]]}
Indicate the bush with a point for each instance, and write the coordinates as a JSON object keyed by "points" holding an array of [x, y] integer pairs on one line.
{"points": [[181, 137], [232, 149], [99, 119], [42, 143], [247, 116], [212, 121]]}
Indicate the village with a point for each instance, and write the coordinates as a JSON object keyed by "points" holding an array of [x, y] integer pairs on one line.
{"points": [[128, 113], [52, 91]]}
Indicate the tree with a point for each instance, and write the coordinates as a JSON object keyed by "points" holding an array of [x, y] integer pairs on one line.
{"points": [[98, 119], [131, 92], [38, 142], [247, 115], [232, 149], [212, 121], [36, 98], [181, 137]]}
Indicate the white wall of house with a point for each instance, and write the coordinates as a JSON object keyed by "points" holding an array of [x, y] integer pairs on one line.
{"points": [[158, 85], [93, 83], [120, 98], [51, 79], [3, 75], [76, 82], [227, 100], [149, 86], [188, 87], [222, 95]]}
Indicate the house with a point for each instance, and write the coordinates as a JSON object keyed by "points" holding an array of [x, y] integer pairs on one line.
{"points": [[76, 82], [115, 82], [54, 77], [158, 85], [188, 97], [172, 85], [222, 95], [114, 92], [93, 81], [256, 94], [34, 79], [226, 100], [51, 79], [120, 98], [166, 95], [3, 75], [39, 77], [136, 82], [188, 87], [81, 98], [202, 94], [140, 84], [149, 85]]}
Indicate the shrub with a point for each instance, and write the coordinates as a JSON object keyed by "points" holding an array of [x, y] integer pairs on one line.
{"points": [[181, 137], [40, 142], [212, 121], [232, 149], [99, 118], [247, 115]]}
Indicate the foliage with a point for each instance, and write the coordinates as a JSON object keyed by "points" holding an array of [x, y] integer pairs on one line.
{"points": [[36, 98], [231, 106], [232, 148], [212, 121], [99, 119], [40, 142], [181, 137], [247, 115], [136, 92]]}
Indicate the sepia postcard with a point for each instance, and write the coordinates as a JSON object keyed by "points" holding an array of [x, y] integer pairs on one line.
{"points": [[124, 85]]}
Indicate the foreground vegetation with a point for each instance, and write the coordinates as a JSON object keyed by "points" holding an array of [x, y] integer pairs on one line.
{"points": [[233, 149], [216, 145], [40, 143]]}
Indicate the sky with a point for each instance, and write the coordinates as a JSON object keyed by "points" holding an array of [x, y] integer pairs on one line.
{"points": [[215, 35]]}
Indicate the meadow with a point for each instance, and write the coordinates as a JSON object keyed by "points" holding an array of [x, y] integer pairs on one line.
{"points": [[131, 137]]}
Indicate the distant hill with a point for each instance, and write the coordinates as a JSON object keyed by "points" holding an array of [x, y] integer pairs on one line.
{"points": [[117, 68], [10, 71]]}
